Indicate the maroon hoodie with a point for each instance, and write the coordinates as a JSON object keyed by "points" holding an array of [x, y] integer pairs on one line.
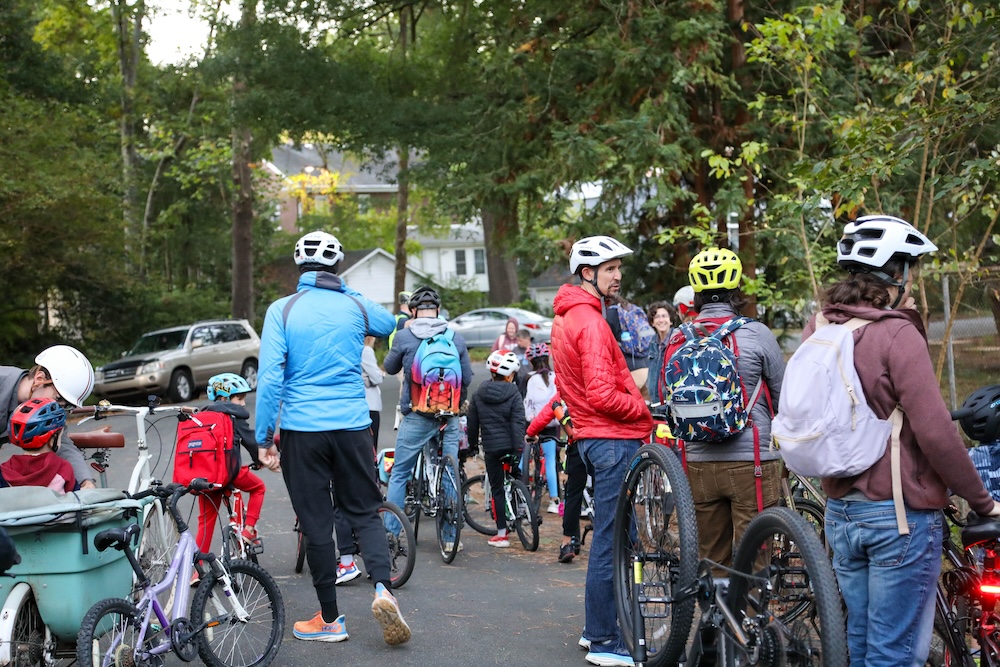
{"points": [[41, 470], [894, 366]]}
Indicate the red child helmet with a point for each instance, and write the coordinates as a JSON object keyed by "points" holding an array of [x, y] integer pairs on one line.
{"points": [[35, 422]]}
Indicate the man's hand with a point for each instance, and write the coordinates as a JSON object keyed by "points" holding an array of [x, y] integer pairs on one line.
{"points": [[269, 458]]}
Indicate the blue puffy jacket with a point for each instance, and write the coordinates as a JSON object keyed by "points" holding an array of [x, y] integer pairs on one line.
{"points": [[310, 357]]}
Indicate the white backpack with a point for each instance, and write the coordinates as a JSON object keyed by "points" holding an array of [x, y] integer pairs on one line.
{"points": [[824, 426]]}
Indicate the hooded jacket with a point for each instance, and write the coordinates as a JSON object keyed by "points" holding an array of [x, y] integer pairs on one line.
{"points": [[404, 348], [591, 373], [46, 470], [758, 357], [241, 426], [497, 410], [310, 357], [894, 366]]}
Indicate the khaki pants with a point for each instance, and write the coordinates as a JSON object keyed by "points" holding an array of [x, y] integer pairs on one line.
{"points": [[725, 501]]}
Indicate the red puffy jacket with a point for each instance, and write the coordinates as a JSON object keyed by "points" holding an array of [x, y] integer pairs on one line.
{"points": [[591, 373]]}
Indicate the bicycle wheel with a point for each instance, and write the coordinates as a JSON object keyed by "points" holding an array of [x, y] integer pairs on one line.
{"points": [[449, 509], [411, 506], [300, 548], [525, 519], [234, 546], [814, 515], [402, 547], [157, 546], [786, 598], [111, 634], [228, 641], [533, 476], [656, 536], [27, 637], [477, 505]]}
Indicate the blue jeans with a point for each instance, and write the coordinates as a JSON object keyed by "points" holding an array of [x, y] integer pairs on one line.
{"points": [[888, 580], [415, 435], [607, 461]]}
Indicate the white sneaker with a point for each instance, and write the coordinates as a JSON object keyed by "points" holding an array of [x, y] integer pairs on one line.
{"points": [[449, 545], [553, 507]]}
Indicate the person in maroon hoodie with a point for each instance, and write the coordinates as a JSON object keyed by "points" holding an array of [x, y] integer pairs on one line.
{"points": [[35, 427], [610, 420], [887, 579]]}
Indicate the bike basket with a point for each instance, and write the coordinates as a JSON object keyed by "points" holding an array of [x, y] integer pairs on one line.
{"points": [[385, 460]]}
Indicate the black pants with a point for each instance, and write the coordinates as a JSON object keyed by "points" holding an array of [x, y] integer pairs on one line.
{"points": [[376, 420], [576, 482], [494, 471], [309, 461]]}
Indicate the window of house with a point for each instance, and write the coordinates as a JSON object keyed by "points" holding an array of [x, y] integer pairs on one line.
{"points": [[460, 267], [480, 255]]}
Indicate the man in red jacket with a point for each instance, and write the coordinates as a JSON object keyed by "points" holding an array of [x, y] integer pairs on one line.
{"points": [[610, 420]]}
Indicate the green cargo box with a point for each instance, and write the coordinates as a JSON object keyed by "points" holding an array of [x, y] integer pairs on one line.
{"points": [[54, 534]]}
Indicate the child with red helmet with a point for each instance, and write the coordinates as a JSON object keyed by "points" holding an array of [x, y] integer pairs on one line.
{"points": [[35, 427]]}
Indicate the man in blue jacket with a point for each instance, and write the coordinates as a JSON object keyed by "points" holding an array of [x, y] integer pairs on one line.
{"points": [[416, 429], [310, 370]]}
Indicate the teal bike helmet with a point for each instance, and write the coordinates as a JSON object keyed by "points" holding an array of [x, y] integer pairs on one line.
{"points": [[226, 385]]}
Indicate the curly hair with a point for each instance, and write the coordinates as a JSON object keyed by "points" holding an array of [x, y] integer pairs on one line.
{"points": [[863, 289], [675, 319]]}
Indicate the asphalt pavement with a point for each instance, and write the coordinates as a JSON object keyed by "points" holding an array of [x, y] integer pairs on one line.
{"points": [[490, 606]]}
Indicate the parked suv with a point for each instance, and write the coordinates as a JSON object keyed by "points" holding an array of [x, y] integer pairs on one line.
{"points": [[179, 361]]}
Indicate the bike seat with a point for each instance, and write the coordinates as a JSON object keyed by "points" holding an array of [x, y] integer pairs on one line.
{"points": [[980, 529], [115, 537], [98, 440]]}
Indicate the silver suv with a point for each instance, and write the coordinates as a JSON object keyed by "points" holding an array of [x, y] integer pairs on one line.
{"points": [[179, 361]]}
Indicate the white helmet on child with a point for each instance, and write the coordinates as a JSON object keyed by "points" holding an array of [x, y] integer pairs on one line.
{"points": [[71, 372], [503, 364], [318, 248], [596, 250]]}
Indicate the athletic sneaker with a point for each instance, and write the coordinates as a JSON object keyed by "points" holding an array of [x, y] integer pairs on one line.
{"points": [[249, 535], [553, 507], [386, 612], [584, 643], [609, 655], [348, 573], [318, 630], [566, 553], [499, 542], [449, 545]]}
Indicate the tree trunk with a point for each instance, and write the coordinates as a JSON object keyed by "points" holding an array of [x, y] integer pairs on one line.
{"points": [[747, 239], [243, 214], [500, 230], [128, 31], [402, 218]]}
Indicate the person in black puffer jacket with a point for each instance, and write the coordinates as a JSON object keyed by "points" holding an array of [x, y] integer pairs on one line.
{"points": [[497, 411]]}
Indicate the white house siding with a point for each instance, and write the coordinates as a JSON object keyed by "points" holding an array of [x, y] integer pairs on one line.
{"points": [[375, 277]]}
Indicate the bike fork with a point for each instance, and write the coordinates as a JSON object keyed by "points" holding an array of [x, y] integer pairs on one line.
{"points": [[223, 577], [638, 623]]}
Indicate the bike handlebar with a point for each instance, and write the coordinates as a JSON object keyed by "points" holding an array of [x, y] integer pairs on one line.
{"points": [[104, 409]]}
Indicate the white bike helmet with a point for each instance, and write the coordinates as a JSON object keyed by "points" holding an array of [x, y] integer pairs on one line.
{"points": [[503, 364], [70, 370], [594, 251], [870, 242], [318, 248], [684, 300]]}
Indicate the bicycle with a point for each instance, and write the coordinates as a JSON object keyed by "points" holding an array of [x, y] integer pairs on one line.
{"points": [[434, 489], [518, 508], [780, 605], [533, 470], [158, 535], [402, 546], [234, 546], [237, 612]]}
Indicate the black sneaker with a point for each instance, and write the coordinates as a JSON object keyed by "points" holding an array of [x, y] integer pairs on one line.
{"points": [[576, 546], [566, 553]]}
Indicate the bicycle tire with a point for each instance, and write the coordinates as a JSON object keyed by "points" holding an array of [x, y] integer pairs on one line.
{"points": [[402, 547], [525, 519], [235, 549], [449, 509], [157, 544], [110, 629], [411, 504], [27, 636], [533, 476], [477, 505], [788, 581], [655, 526], [227, 642], [300, 549]]}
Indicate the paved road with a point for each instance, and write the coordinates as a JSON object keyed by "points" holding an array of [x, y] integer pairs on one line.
{"points": [[491, 606]]}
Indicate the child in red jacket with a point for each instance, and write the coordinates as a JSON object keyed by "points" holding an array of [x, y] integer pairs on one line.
{"points": [[35, 427]]}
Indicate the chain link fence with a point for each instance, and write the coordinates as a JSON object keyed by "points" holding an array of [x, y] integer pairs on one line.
{"points": [[966, 351]]}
